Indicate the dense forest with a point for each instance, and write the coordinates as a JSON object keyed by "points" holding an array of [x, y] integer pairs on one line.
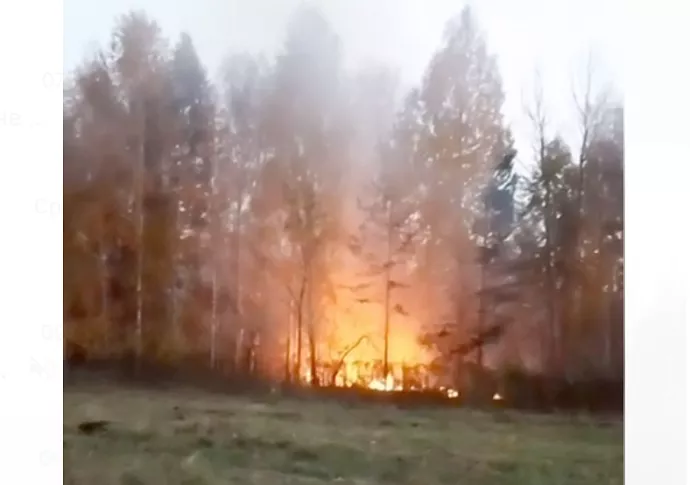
{"points": [[303, 223]]}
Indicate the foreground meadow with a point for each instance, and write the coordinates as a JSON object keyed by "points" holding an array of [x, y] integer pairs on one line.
{"points": [[187, 437]]}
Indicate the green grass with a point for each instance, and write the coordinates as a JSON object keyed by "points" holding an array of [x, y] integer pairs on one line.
{"points": [[191, 438]]}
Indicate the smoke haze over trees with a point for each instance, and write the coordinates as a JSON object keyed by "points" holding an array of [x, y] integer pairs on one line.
{"points": [[303, 222]]}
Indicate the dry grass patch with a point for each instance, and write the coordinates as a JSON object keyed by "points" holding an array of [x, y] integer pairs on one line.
{"points": [[192, 438]]}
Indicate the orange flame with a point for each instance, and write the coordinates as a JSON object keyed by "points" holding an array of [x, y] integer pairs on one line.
{"points": [[387, 384], [355, 341]]}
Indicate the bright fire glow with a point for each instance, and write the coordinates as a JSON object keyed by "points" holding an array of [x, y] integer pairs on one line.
{"points": [[351, 349], [384, 385], [498, 397], [451, 393]]}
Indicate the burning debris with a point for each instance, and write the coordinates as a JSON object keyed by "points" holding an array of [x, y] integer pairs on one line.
{"points": [[363, 375], [387, 384], [451, 393]]}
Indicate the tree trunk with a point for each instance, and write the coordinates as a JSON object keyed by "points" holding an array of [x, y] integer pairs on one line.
{"points": [[481, 312], [214, 318], [300, 309], [174, 299], [105, 299], [238, 239], [298, 356], [341, 361], [386, 297], [215, 230], [313, 357], [288, 349], [481, 316], [311, 329], [552, 314], [140, 236], [579, 306]]}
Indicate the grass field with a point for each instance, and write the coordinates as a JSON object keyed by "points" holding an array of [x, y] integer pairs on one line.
{"points": [[185, 437]]}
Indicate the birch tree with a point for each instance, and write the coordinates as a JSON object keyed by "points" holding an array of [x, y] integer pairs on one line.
{"points": [[308, 146]]}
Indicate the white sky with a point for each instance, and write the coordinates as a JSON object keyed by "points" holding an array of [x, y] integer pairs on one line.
{"points": [[552, 35]]}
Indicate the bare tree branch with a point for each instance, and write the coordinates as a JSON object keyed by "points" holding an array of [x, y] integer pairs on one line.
{"points": [[347, 352]]}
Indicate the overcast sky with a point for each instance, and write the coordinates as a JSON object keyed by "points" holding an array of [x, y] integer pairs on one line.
{"points": [[554, 36]]}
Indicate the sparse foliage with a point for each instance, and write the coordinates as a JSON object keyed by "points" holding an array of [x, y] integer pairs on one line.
{"points": [[249, 227]]}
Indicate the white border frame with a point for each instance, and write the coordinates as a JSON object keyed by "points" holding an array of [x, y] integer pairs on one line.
{"points": [[657, 158], [31, 242], [657, 134]]}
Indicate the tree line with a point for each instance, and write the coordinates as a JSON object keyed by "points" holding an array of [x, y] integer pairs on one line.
{"points": [[220, 224]]}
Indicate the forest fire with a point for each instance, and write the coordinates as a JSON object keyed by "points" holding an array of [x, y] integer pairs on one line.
{"points": [[351, 354], [355, 351], [355, 356], [389, 384]]}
